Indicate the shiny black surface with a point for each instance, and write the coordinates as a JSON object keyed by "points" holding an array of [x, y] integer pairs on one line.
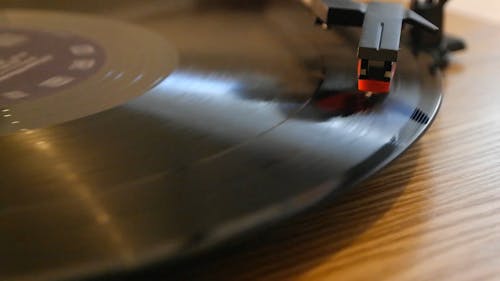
{"points": [[228, 141]]}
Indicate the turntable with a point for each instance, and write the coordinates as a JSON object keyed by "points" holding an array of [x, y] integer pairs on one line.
{"points": [[134, 132]]}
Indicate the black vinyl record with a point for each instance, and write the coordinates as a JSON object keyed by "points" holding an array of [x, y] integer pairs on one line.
{"points": [[129, 143]]}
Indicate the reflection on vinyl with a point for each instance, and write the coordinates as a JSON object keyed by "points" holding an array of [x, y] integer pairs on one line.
{"points": [[168, 130]]}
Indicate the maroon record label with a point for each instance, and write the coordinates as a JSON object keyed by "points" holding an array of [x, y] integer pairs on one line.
{"points": [[35, 64]]}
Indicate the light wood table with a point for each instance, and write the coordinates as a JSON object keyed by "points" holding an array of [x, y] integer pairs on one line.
{"points": [[432, 215]]}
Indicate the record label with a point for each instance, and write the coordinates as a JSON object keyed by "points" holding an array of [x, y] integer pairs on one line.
{"points": [[36, 63], [57, 67]]}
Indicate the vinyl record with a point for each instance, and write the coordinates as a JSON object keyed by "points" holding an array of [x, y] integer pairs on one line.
{"points": [[196, 123]]}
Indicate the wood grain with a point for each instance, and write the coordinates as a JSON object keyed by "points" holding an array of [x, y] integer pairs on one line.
{"points": [[432, 215]]}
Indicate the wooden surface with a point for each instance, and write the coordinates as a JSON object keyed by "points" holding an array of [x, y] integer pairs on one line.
{"points": [[432, 215]]}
